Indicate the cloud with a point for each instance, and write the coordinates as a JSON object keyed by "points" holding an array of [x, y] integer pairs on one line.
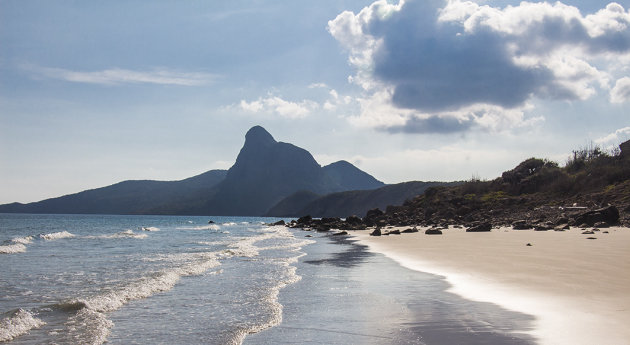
{"points": [[117, 76], [615, 138], [279, 106], [621, 92], [436, 59]]}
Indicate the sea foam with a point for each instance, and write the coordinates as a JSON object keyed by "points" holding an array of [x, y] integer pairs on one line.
{"points": [[12, 248], [56, 235], [17, 323]]}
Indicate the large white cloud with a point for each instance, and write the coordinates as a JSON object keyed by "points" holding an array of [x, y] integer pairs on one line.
{"points": [[445, 66]]}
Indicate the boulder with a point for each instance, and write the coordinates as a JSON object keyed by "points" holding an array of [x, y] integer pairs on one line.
{"points": [[433, 232], [305, 220], [353, 220], [341, 233], [280, 222], [394, 232], [483, 227], [608, 214], [521, 225], [376, 232], [601, 225]]}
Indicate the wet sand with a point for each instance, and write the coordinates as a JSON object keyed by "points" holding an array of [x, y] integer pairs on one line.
{"points": [[577, 288]]}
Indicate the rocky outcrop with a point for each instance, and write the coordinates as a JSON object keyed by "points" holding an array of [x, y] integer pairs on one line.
{"points": [[609, 215]]}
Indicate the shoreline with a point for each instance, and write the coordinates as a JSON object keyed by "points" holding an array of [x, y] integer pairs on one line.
{"points": [[578, 289]]}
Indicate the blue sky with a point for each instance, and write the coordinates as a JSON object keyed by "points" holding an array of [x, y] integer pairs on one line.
{"points": [[93, 93]]}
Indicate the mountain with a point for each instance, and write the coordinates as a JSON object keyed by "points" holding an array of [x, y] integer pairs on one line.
{"points": [[350, 177], [343, 204], [127, 197], [266, 171]]}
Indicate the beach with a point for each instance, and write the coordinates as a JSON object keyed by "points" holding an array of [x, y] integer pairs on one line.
{"points": [[578, 289]]}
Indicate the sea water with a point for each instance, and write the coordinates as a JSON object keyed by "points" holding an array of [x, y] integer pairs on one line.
{"points": [[90, 279]]}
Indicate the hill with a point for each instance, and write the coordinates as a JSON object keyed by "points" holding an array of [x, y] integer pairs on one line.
{"points": [[538, 193], [265, 172], [343, 204], [127, 197]]}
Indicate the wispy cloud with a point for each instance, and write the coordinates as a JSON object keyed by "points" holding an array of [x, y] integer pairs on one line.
{"points": [[282, 107], [118, 76]]}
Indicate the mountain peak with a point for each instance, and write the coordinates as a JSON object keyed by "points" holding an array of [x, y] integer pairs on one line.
{"points": [[258, 136]]}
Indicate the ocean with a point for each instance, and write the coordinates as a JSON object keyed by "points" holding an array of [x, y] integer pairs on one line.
{"points": [[93, 279]]}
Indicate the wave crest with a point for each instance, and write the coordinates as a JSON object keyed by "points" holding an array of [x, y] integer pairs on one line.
{"points": [[56, 235], [17, 323]]}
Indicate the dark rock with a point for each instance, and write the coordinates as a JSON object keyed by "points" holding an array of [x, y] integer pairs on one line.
{"points": [[376, 232], [353, 220], [409, 231], [341, 233], [601, 225], [394, 232], [305, 220], [605, 232], [608, 214], [587, 232], [211, 222], [542, 227], [483, 227], [562, 220], [308, 236], [591, 238], [433, 232], [521, 225], [529, 245], [280, 222]]}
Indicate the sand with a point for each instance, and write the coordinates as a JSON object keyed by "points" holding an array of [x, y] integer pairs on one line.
{"points": [[578, 289]]}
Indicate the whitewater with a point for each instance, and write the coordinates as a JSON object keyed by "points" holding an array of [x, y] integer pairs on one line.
{"points": [[85, 279]]}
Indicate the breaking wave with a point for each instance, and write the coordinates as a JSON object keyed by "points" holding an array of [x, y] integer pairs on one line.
{"points": [[201, 227], [56, 235], [16, 323], [16, 245]]}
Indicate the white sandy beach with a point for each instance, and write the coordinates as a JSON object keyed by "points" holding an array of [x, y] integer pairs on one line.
{"points": [[578, 289]]}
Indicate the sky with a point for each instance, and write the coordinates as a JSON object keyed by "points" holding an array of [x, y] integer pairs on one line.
{"points": [[97, 92]]}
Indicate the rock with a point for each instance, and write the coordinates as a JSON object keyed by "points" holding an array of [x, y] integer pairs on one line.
{"points": [[341, 233], [408, 231], [211, 222], [591, 238], [483, 227], [605, 232], [529, 245], [608, 214], [394, 232], [542, 227], [280, 222], [587, 232], [353, 220], [433, 232], [521, 225], [305, 220], [376, 232], [601, 225], [308, 236]]}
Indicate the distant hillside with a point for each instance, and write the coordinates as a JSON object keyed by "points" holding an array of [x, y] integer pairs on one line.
{"points": [[350, 177], [265, 172], [127, 197], [348, 203], [537, 192]]}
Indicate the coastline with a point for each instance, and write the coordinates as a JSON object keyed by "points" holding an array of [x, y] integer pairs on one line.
{"points": [[577, 289]]}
